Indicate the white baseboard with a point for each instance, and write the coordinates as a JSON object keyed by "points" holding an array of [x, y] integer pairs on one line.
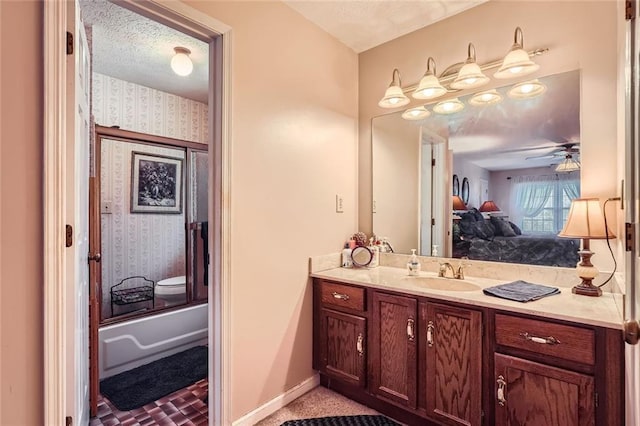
{"points": [[278, 402]]}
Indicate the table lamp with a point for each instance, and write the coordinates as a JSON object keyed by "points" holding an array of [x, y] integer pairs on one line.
{"points": [[489, 206], [458, 204], [586, 221]]}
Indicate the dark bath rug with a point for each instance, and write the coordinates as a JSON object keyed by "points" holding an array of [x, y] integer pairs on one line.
{"points": [[150, 382], [343, 421]]}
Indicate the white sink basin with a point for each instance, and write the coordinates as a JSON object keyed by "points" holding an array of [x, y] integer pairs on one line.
{"points": [[447, 284]]}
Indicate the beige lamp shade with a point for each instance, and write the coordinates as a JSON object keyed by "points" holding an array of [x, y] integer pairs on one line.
{"points": [[489, 206], [585, 220], [458, 204]]}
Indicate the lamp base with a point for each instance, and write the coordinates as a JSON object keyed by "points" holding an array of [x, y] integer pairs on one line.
{"points": [[585, 288]]}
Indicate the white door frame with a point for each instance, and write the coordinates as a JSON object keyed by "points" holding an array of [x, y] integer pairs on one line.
{"points": [[56, 354]]}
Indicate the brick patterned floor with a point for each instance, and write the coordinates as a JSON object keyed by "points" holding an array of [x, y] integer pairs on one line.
{"points": [[183, 407]]}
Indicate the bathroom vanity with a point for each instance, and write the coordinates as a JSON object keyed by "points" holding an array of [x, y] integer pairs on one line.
{"points": [[429, 350]]}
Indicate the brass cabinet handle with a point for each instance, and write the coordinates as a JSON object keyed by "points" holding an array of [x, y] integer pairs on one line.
{"points": [[543, 340], [410, 331], [359, 344], [501, 390], [340, 296], [430, 330]]}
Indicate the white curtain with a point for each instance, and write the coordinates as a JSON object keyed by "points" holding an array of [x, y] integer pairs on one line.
{"points": [[570, 185]]}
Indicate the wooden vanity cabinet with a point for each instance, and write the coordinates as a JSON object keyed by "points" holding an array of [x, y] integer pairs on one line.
{"points": [[393, 348], [340, 333], [555, 373], [452, 367]]}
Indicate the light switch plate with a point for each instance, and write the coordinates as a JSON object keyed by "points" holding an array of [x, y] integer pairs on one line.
{"points": [[339, 204]]}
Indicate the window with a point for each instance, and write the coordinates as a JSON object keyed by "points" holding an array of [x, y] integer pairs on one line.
{"points": [[542, 202]]}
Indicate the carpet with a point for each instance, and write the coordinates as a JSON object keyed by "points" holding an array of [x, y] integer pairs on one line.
{"points": [[150, 382], [343, 421]]}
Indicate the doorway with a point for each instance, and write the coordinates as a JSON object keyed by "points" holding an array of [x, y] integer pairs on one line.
{"points": [[59, 17]]}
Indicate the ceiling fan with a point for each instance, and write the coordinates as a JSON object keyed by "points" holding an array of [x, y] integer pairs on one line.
{"points": [[565, 150]]}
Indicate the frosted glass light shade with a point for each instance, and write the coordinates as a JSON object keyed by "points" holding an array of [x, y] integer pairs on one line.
{"points": [[516, 64], [568, 165], [488, 97], [393, 97], [417, 113], [470, 76], [527, 89], [449, 106], [181, 63], [429, 88], [585, 220]]}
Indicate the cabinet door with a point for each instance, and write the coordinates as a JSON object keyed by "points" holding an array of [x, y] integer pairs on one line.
{"points": [[453, 351], [342, 346], [532, 394], [393, 348]]}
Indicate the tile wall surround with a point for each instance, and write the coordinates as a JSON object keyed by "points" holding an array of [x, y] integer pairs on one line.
{"points": [[560, 277], [141, 109]]}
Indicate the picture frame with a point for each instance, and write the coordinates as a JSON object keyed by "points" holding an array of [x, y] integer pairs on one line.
{"points": [[156, 183]]}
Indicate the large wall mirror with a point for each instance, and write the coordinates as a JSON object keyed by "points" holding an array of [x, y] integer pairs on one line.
{"points": [[517, 162]]}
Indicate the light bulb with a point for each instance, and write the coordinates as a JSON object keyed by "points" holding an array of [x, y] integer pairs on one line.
{"points": [[181, 63]]}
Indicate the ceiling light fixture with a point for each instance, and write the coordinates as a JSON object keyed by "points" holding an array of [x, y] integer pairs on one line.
{"points": [[470, 75], [181, 63], [429, 86], [488, 97], [394, 96], [517, 62], [417, 113], [568, 165], [449, 106], [527, 89]]}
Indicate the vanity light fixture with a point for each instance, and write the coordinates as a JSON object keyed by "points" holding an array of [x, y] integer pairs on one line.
{"points": [[417, 113], [527, 89], [181, 63], [586, 221], [488, 97], [394, 96], [569, 164], [517, 62], [450, 106], [470, 75], [429, 86]]}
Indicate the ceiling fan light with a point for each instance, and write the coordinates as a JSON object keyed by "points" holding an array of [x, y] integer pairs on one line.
{"points": [[568, 165], [394, 96], [488, 97], [181, 63], [417, 113], [449, 106], [527, 89], [470, 75], [517, 62]]}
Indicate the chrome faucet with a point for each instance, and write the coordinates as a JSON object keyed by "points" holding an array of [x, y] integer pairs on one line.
{"points": [[457, 274]]}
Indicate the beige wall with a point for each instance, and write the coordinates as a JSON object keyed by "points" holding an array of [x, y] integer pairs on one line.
{"points": [[294, 106], [21, 293], [294, 145], [580, 35]]}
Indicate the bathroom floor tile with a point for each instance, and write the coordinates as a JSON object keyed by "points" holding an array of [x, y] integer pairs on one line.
{"points": [[183, 407]]}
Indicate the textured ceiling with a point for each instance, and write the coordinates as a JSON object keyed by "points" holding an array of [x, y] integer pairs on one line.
{"points": [[363, 24], [131, 47]]}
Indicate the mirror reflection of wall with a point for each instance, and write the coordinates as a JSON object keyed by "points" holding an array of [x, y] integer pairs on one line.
{"points": [[497, 148]]}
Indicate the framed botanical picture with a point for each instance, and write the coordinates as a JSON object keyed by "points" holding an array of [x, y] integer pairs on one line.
{"points": [[156, 183]]}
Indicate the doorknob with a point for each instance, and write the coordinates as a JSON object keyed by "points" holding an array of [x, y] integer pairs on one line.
{"points": [[95, 257]]}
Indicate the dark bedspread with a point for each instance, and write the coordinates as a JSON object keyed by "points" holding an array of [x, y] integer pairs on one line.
{"points": [[529, 249]]}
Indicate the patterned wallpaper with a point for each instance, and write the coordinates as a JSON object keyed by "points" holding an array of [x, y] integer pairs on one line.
{"points": [[141, 109], [151, 245]]}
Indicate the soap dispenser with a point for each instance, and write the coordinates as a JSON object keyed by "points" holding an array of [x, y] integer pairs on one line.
{"points": [[413, 266], [375, 254], [347, 262]]}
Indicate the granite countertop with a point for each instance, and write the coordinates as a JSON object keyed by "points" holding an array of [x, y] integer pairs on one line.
{"points": [[600, 311]]}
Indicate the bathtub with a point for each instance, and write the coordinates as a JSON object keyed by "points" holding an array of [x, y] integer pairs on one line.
{"points": [[129, 344]]}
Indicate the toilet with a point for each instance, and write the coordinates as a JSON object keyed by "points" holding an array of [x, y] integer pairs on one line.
{"points": [[172, 291]]}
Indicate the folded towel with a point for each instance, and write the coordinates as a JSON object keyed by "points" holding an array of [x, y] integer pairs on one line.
{"points": [[521, 291]]}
